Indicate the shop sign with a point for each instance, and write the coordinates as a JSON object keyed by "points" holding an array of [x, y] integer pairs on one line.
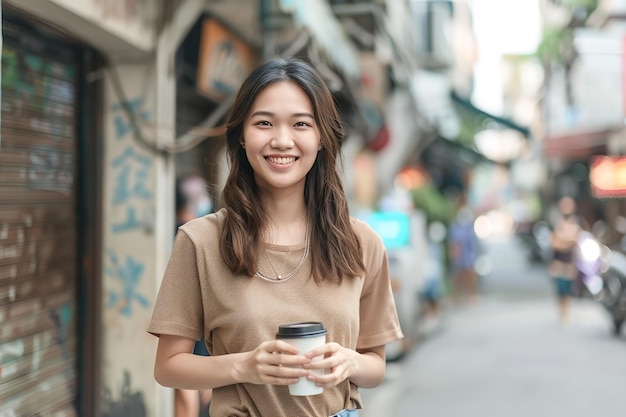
{"points": [[393, 227], [224, 61], [607, 176]]}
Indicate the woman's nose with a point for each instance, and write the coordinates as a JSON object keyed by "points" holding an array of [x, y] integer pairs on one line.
{"points": [[282, 139]]}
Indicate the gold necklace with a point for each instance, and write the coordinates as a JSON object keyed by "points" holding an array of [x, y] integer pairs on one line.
{"points": [[281, 277]]}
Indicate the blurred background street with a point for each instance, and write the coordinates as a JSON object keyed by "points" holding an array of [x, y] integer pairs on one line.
{"points": [[508, 355], [485, 142]]}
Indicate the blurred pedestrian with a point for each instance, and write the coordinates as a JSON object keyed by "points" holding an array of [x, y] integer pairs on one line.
{"points": [[283, 249], [432, 290], [563, 241], [463, 250], [192, 201]]}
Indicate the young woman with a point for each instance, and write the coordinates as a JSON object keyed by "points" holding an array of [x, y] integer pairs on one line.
{"points": [[283, 249], [563, 240]]}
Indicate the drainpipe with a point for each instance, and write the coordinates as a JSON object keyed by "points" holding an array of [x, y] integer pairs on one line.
{"points": [[1, 47], [265, 13]]}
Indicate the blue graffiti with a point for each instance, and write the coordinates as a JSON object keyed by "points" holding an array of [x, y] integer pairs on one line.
{"points": [[123, 190], [129, 274], [130, 184], [131, 222], [122, 124], [62, 319], [133, 167]]}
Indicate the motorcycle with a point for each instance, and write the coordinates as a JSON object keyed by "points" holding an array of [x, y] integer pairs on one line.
{"points": [[602, 277], [601, 271], [589, 259], [613, 293]]}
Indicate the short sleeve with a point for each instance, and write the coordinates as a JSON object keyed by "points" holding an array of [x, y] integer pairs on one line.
{"points": [[178, 307], [379, 322]]}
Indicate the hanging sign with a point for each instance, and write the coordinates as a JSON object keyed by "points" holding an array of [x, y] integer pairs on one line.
{"points": [[607, 176], [224, 61]]}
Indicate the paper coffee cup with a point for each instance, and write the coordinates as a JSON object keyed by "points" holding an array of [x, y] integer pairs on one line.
{"points": [[304, 336]]}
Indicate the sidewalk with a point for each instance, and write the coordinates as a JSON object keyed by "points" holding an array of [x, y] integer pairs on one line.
{"points": [[509, 356], [510, 271]]}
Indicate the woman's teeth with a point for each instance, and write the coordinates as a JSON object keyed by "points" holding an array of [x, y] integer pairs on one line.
{"points": [[281, 160]]}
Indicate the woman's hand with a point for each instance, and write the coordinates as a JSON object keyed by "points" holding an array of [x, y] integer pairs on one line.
{"points": [[365, 368], [274, 362], [340, 363]]}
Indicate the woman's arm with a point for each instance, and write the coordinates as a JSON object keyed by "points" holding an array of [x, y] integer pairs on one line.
{"points": [[176, 367], [371, 367]]}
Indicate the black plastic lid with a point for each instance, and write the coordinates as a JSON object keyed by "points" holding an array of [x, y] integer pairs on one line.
{"points": [[307, 329]]}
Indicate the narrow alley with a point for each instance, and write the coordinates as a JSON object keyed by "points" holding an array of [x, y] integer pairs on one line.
{"points": [[509, 356]]}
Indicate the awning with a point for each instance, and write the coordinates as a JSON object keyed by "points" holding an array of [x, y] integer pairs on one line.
{"points": [[577, 144], [499, 139], [505, 123], [463, 125], [464, 155]]}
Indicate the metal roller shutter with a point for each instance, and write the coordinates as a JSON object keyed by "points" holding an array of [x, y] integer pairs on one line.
{"points": [[38, 234]]}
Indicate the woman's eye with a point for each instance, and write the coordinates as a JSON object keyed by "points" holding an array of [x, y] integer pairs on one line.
{"points": [[302, 124], [263, 123]]}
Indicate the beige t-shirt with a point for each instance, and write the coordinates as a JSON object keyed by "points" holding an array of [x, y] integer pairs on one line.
{"points": [[199, 296]]}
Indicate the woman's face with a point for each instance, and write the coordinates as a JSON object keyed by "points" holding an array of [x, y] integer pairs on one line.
{"points": [[281, 137]]}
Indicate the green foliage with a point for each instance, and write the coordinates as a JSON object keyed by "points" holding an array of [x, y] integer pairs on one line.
{"points": [[553, 46], [470, 123], [588, 5], [557, 42], [434, 205]]}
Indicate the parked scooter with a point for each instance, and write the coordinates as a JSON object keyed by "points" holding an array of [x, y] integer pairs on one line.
{"points": [[601, 271], [588, 258], [613, 294]]}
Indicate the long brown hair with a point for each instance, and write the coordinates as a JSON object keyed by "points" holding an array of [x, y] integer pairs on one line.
{"points": [[335, 248]]}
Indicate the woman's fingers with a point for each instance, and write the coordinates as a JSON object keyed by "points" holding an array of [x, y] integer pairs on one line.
{"points": [[279, 363]]}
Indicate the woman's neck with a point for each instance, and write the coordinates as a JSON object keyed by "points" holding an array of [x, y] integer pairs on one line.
{"points": [[286, 223]]}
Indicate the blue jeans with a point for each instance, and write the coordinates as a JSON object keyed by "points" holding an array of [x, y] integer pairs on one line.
{"points": [[347, 413]]}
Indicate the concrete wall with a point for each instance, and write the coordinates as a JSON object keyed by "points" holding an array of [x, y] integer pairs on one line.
{"points": [[130, 20], [122, 30], [131, 271]]}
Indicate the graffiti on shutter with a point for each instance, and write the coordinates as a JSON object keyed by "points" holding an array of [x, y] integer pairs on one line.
{"points": [[38, 264]]}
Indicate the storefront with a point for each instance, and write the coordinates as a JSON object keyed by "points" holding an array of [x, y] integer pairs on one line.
{"points": [[45, 143], [210, 65]]}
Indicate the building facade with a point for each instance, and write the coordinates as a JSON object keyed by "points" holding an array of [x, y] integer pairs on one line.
{"points": [[104, 104]]}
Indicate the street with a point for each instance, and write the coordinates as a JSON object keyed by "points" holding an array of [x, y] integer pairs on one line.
{"points": [[509, 356]]}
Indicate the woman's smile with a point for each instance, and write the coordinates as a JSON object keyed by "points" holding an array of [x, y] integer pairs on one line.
{"points": [[281, 137], [281, 160]]}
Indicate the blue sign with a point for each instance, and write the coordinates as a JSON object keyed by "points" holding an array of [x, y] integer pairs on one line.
{"points": [[393, 227]]}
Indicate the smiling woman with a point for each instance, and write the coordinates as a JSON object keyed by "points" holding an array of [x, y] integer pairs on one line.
{"points": [[283, 250], [281, 138]]}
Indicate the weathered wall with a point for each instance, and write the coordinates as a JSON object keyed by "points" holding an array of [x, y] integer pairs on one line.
{"points": [[120, 29], [131, 20], [129, 268]]}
